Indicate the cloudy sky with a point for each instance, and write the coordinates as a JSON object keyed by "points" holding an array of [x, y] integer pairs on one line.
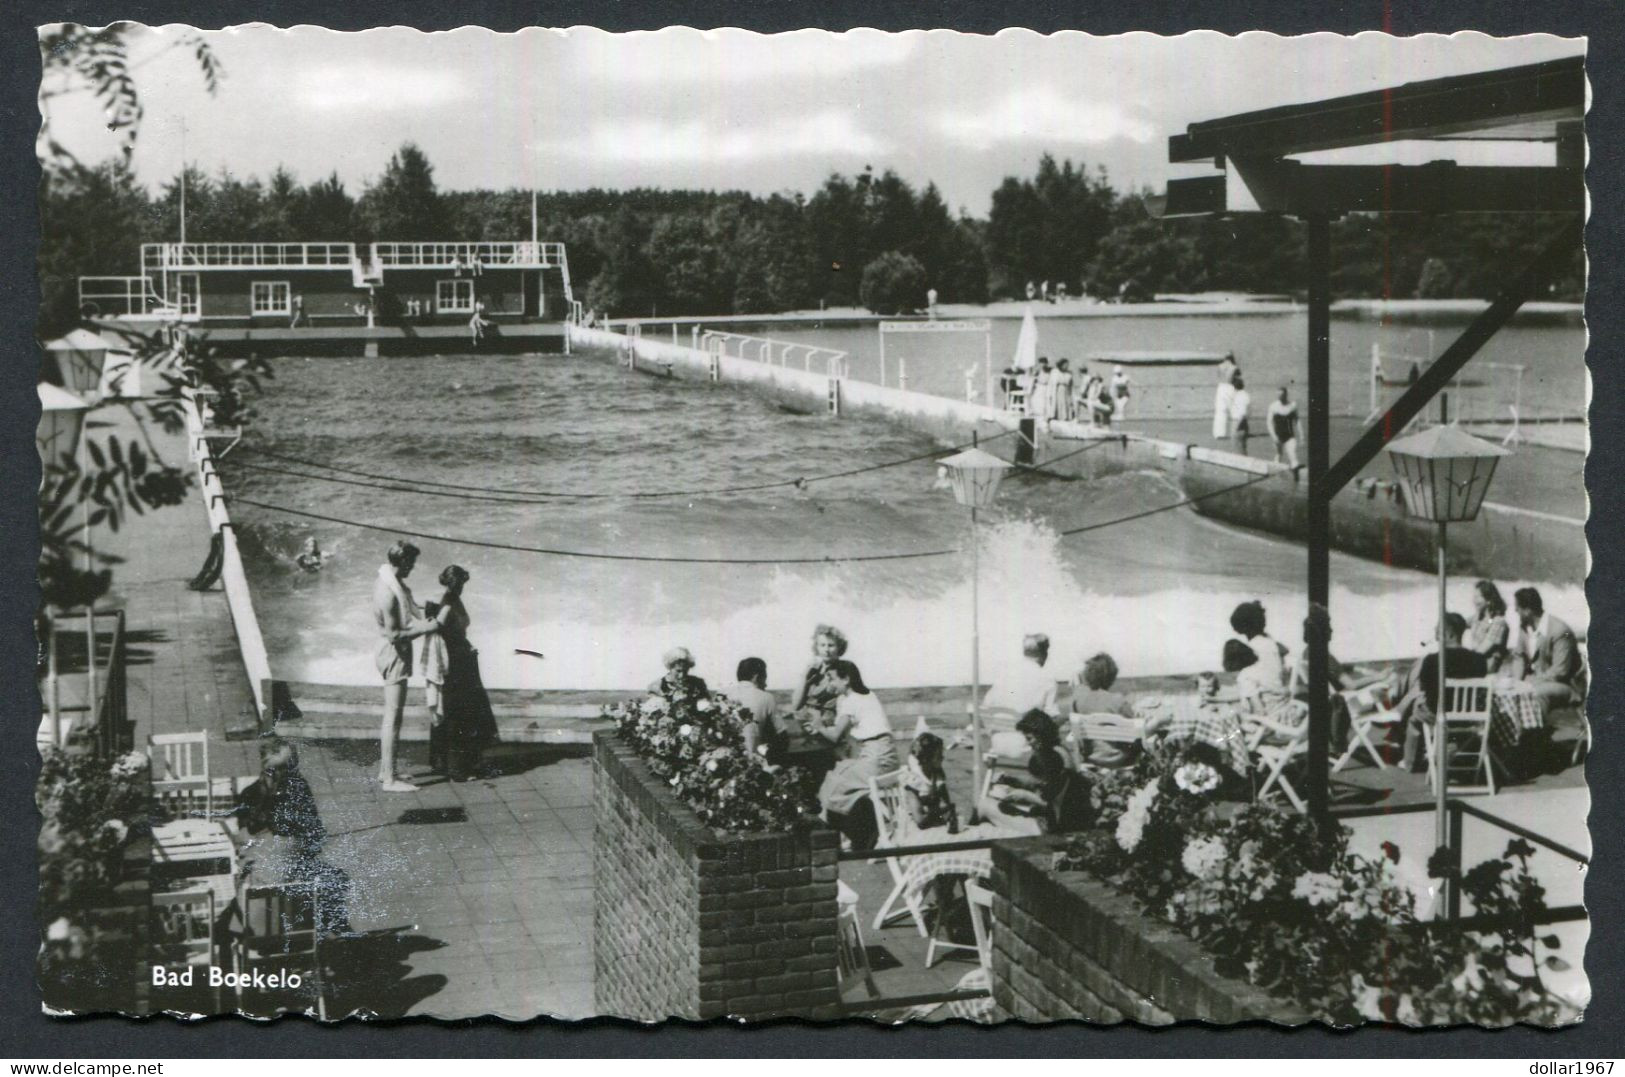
{"points": [[732, 109]]}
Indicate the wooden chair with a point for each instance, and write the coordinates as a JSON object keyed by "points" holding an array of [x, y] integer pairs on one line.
{"points": [[1106, 728], [981, 920], [889, 797], [181, 931], [281, 927], [980, 978], [1367, 714], [852, 955], [180, 773], [1276, 746], [972, 868], [1469, 704]]}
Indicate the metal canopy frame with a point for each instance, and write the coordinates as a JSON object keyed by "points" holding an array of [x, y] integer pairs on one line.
{"points": [[1542, 102]]}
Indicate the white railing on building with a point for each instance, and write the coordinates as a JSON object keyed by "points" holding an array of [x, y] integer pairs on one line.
{"points": [[467, 255], [782, 353], [114, 297], [161, 257]]}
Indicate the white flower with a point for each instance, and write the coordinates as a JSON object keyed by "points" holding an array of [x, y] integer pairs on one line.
{"points": [[130, 763], [1317, 887], [118, 829], [685, 730], [59, 929], [703, 705], [1131, 825], [1196, 778], [1405, 1013], [653, 705], [1471, 977], [1367, 999], [761, 750], [1204, 858], [711, 765]]}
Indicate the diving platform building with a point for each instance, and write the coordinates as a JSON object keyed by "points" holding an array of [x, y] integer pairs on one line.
{"points": [[346, 298]]}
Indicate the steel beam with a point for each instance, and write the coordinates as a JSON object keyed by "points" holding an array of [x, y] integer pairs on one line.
{"points": [[1319, 504]]}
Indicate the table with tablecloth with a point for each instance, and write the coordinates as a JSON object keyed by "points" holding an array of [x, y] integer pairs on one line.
{"points": [[1514, 711], [1190, 717]]}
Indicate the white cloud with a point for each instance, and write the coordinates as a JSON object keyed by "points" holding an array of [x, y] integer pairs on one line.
{"points": [[824, 133], [1039, 114], [681, 54], [375, 86]]}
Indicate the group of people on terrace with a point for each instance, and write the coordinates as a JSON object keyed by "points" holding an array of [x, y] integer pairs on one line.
{"points": [[830, 705], [1055, 393]]}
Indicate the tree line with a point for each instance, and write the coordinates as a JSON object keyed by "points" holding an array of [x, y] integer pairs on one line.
{"points": [[870, 240]]}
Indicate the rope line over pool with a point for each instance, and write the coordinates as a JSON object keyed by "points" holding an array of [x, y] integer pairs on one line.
{"points": [[544, 495], [658, 559], [465, 494]]}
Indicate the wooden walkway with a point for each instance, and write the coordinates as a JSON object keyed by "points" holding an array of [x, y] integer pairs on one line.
{"points": [[184, 671]]}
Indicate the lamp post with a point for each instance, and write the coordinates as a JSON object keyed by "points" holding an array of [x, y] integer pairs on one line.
{"points": [[975, 476], [1443, 476]]}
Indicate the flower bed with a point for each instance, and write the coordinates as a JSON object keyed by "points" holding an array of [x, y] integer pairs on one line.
{"points": [[1289, 909], [92, 905], [698, 748]]}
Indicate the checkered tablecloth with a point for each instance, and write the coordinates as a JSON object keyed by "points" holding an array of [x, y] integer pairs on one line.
{"points": [[1189, 719], [1515, 709]]}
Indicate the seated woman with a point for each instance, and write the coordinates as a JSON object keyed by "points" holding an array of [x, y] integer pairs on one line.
{"points": [[862, 734], [279, 811], [678, 683], [926, 785], [1489, 631], [1257, 659], [279, 801], [1051, 793], [814, 699], [1098, 675]]}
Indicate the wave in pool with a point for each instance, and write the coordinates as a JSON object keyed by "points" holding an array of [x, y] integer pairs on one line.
{"points": [[1028, 583]]}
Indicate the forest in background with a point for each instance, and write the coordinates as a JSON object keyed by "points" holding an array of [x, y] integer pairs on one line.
{"points": [[869, 240]]}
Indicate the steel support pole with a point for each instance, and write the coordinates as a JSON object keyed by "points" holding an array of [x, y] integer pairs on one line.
{"points": [[975, 655], [1441, 739], [1319, 532]]}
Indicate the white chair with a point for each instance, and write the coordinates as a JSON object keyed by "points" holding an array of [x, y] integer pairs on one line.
{"points": [[981, 920], [889, 797], [980, 978], [1105, 728], [1468, 705], [852, 955], [972, 868], [1367, 714], [282, 928], [180, 772], [182, 930], [1277, 745]]}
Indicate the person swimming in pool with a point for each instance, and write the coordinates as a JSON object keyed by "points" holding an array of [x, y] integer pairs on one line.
{"points": [[310, 556]]}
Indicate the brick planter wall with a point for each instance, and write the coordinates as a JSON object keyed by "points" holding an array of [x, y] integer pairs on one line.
{"points": [[1067, 946], [691, 922]]}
